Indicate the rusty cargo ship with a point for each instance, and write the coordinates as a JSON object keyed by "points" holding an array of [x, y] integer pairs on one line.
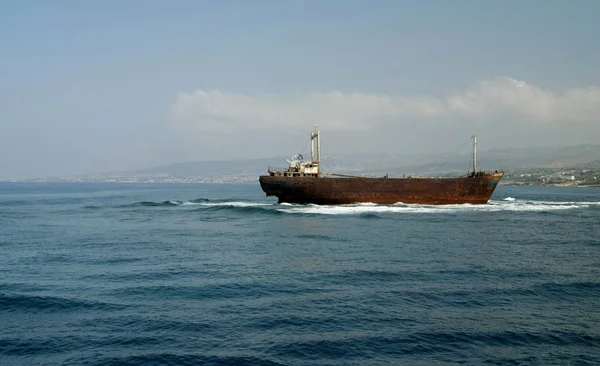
{"points": [[303, 183]]}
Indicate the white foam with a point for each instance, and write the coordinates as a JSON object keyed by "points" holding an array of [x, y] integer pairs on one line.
{"points": [[508, 204], [235, 204], [232, 203], [492, 206], [190, 203]]}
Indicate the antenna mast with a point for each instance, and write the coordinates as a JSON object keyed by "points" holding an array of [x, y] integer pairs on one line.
{"points": [[474, 154], [315, 135], [319, 149]]}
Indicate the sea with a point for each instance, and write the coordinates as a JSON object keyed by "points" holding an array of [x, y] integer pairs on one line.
{"points": [[219, 274]]}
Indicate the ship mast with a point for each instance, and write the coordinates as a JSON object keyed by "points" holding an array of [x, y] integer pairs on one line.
{"points": [[319, 149], [315, 135], [474, 154]]}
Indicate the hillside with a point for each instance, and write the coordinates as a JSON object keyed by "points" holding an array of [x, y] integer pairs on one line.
{"points": [[506, 159], [572, 157]]}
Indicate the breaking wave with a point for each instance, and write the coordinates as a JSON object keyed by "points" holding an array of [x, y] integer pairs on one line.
{"points": [[364, 210], [262, 209], [158, 204], [194, 202], [492, 206]]}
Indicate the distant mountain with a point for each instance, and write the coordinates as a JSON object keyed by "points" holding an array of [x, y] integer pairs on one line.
{"points": [[505, 159], [548, 157], [593, 164], [373, 164]]}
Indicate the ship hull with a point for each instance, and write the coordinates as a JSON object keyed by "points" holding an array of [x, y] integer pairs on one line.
{"points": [[332, 191]]}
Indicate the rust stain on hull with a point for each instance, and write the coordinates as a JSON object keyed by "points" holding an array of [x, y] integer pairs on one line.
{"points": [[330, 191]]}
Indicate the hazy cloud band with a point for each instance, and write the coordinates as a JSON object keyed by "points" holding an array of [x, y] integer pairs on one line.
{"points": [[496, 98]]}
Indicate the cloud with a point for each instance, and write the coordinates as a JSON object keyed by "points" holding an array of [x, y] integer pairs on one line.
{"points": [[490, 99], [506, 97]]}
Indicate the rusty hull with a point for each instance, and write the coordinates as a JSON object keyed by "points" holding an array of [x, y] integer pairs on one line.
{"points": [[331, 191]]}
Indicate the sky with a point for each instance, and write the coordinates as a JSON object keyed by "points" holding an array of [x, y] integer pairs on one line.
{"points": [[103, 86]]}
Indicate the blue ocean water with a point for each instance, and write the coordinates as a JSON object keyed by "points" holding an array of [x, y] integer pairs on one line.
{"points": [[148, 274]]}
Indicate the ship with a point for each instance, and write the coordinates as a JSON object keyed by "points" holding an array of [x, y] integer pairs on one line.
{"points": [[303, 182]]}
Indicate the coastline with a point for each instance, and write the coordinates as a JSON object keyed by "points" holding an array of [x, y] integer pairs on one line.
{"points": [[242, 180], [547, 184]]}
